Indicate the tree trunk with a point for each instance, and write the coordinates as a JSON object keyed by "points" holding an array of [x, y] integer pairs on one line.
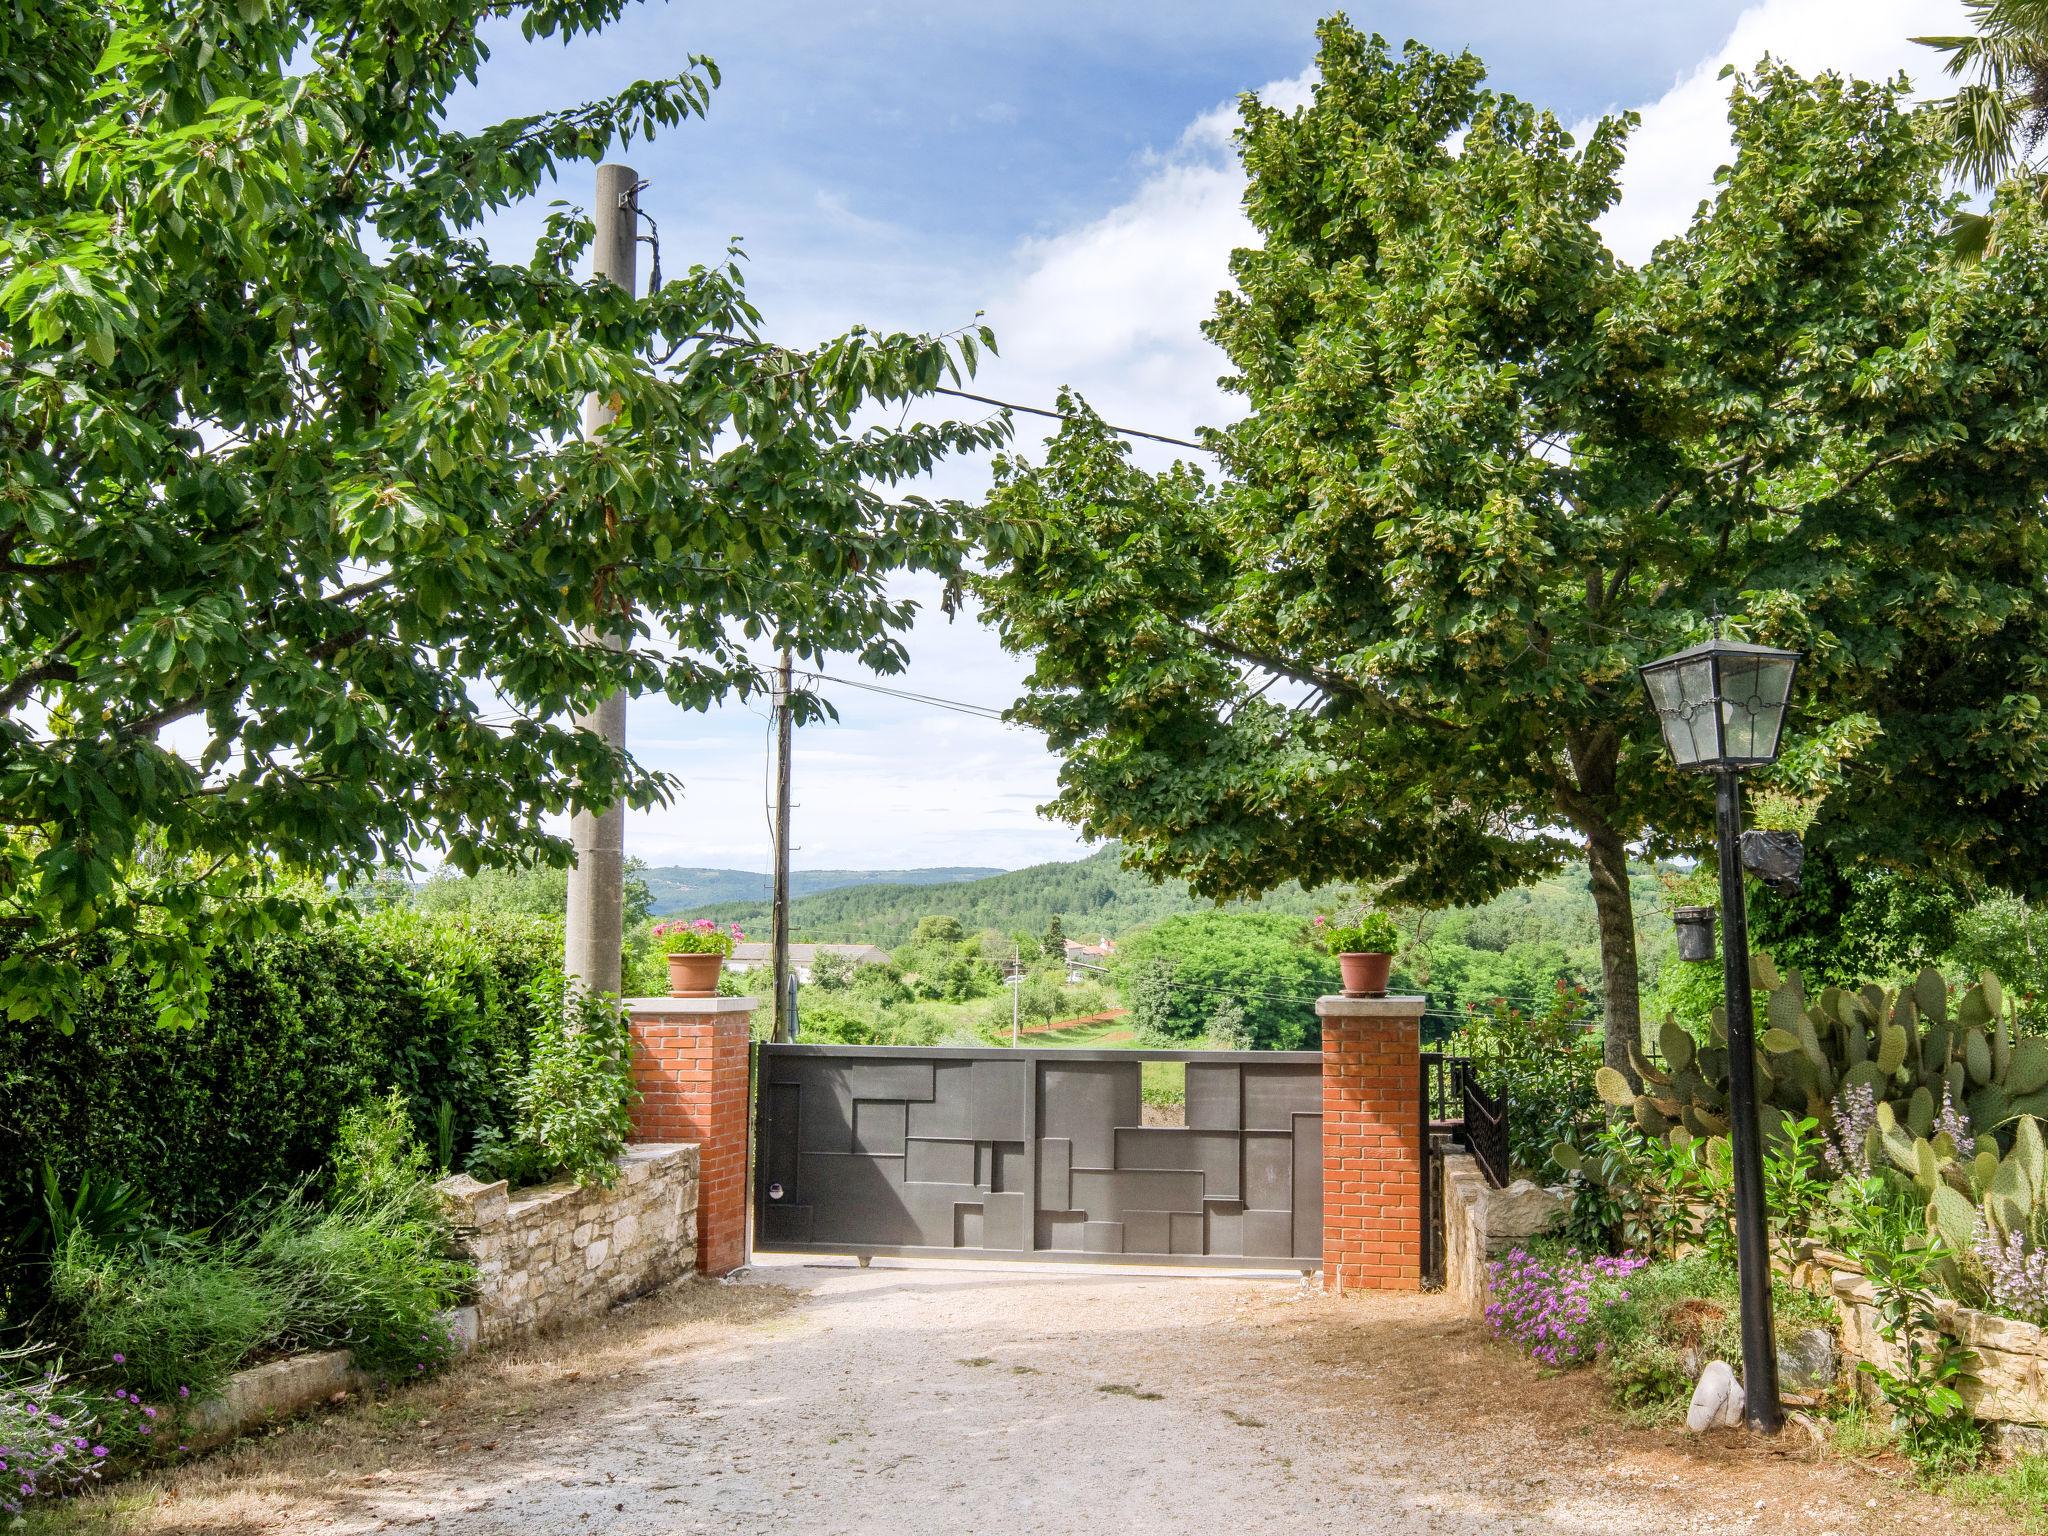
{"points": [[1607, 856]]}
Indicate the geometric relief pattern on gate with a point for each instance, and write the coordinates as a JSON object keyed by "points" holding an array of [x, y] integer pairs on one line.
{"points": [[1039, 1154]]}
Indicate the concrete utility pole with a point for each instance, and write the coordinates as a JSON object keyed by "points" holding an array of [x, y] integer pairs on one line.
{"points": [[779, 924], [594, 935]]}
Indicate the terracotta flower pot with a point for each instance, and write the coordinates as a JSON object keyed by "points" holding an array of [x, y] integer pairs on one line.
{"points": [[1365, 975], [694, 975]]}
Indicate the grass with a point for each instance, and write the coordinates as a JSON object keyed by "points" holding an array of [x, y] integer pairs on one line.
{"points": [[2019, 1490]]}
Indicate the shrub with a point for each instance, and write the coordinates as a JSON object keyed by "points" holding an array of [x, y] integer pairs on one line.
{"points": [[1542, 1061], [370, 1270], [300, 1027], [55, 1435], [183, 1315], [1173, 974], [574, 1100]]}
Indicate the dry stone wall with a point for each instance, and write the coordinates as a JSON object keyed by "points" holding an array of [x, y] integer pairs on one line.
{"points": [[560, 1251], [1481, 1223], [2011, 1385]]}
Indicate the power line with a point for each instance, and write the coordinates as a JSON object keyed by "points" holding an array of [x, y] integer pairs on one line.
{"points": [[1039, 410], [960, 706]]}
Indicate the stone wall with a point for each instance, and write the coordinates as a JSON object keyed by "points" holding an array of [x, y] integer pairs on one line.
{"points": [[2012, 1358], [560, 1251], [1481, 1223]]}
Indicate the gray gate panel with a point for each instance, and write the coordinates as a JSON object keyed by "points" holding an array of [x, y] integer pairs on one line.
{"points": [[1212, 1154], [940, 1162], [950, 1112], [1273, 1096], [1215, 1097], [1269, 1173], [1108, 1194], [1038, 1154], [878, 1128], [1085, 1101]]}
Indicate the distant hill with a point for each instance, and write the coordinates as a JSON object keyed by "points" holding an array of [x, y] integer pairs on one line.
{"points": [[1091, 896], [676, 887]]}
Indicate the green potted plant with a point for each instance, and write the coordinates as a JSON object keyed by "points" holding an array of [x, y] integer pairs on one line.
{"points": [[696, 954], [1364, 945]]}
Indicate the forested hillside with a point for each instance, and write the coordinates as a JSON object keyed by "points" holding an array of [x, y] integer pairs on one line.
{"points": [[1090, 896], [674, 887]]}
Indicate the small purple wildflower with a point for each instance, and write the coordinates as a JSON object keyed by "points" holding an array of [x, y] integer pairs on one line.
{"points": [[120, 1359], [1844, 1145], [2019, 1277], [1545, 1307]]}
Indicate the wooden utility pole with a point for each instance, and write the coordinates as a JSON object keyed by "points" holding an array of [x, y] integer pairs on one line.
{"points": [[594, 933], [779, 924]]}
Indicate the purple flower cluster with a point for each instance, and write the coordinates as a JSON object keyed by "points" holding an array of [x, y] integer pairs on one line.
{"points": [[54, 1434], [1545, 1305], [2019, 1277], [1957, 1126], [1847, 1139]]}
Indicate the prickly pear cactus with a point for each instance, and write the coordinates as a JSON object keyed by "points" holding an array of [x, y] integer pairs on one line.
{"points": [[1911, 1050]]}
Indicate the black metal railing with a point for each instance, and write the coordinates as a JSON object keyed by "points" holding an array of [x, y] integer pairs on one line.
{"points": [[1485, 1133], [1443, 1096]]}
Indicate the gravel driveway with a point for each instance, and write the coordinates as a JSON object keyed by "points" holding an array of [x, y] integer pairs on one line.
{"points": [[920, 1398]]}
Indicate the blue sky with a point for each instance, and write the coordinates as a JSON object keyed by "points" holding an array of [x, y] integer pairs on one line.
{"points": [[1064, 168]]}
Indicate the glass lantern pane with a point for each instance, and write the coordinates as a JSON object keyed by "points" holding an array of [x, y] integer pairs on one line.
{"points": [[1739, 706], [1696, 685], [1774, 687]]}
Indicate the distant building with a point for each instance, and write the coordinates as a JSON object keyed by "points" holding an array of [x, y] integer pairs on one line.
{"points": [[1086, 960], [750, 956]]}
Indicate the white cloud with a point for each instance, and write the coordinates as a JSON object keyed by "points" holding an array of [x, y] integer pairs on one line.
{"points": [[1684, 134]]}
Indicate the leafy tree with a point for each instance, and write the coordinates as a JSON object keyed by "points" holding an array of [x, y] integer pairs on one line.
{"points": [[1995, 124], [290, 470], [541, 891], [1054, 944], [1487, 469], [832, 969], [938, 929], [1175, 975]]}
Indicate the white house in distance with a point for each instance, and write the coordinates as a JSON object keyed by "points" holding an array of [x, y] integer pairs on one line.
{"points": [[1085, 960], [752, 957]]}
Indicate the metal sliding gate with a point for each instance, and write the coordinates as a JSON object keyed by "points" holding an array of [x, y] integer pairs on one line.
{"points": [[1038, 1154]]}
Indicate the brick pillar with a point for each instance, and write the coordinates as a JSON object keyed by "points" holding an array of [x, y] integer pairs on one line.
{"points": [[690, 1060], [1372, 1143]]}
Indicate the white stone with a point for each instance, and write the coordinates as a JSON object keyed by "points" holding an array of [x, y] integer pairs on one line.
{"points": [[1716, 1401]]}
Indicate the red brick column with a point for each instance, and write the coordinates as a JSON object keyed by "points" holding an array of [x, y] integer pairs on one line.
{"points": [[1372, 1143], [690, 1063]]}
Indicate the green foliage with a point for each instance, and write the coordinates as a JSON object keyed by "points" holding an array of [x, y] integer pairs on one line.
{"points": [[1848, 925], [303, 1027], [1174, 974], [1907, 1048], [1375, 933], [1925, 1389], [175, 1317], [1542, 1061], [1486, 469], [573, 1103], [539, 891], [1675, 1315], [1090, 896], [365, 1268], [291, 453], [1054, 944], [832, 969], [369, 1268]]}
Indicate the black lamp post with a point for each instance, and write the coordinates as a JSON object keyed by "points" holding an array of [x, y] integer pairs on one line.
{"points": [[1722, 706]]}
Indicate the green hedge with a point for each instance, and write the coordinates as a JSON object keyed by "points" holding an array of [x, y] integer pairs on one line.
{"points": [[302, 1028]]}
